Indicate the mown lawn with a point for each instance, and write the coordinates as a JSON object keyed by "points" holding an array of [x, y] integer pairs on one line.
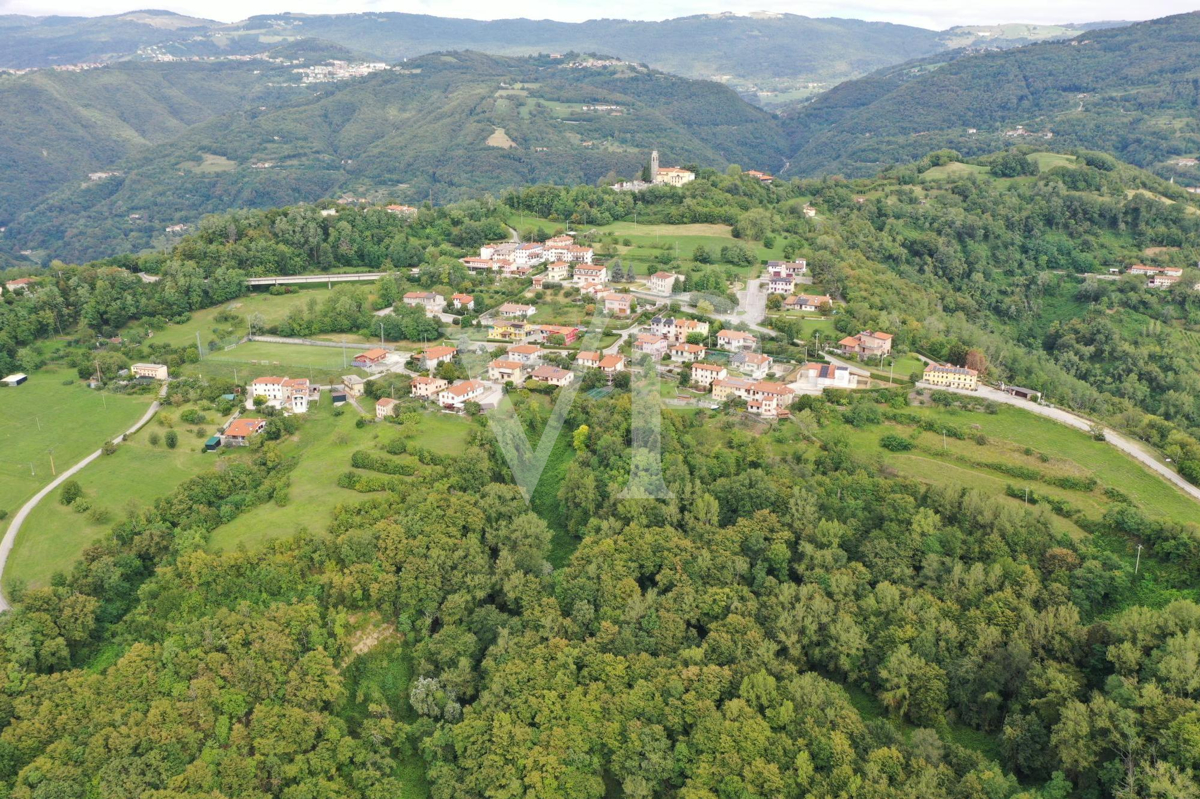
{"points": [[42, 415], [259, 358], [137, 474], [272, 307]]}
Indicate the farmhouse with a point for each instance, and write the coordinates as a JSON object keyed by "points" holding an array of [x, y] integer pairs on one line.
{"points": [[239, 431], [553, 375], [687, 353], [502, 370], [949, 376], [20, 284], [761, 177], [458, 395], [703, 374], [432, 356], [401, 210], [153, 371], [385, 407], [461, 301], [370, 358], [427, 387], [869, 343], [826, 375], [662, 282], [735, 341]]}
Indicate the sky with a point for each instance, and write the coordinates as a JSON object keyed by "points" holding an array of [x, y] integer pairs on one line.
{"points": [[935, 14]]}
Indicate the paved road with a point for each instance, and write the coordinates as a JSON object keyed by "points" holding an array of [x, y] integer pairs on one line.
{"points": [[10, 537], [1127, 445]]}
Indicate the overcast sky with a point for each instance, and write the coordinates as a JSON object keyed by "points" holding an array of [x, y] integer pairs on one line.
{"points": [[935, 14]]}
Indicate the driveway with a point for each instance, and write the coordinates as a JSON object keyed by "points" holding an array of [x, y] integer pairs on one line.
{"points": [[10, 537], [1134, 449]]}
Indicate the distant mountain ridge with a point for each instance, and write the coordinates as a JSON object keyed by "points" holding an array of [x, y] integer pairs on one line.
{"points": [[776, 59], [1133, 91], [446, 125]]}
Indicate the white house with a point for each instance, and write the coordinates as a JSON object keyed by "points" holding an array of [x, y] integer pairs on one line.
{"points": [[826, 375], [553, 375], [651, 344], [385, 407], [662, 282], [588, 273], [459, 394], [513, 310], [703, 374], [754, 364], [688, 353], [735, 341], [618, 304], [529, 254], [524, 353], [791, 269], [461, 301], [286, 394], [431, 302], [780, 284], [502, 370], [154, 371], [427, 387]]}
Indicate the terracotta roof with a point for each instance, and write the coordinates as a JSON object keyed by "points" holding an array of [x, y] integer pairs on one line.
{"points": [[267, 381], [244, 428], [611, 361], [549, 373], [588, 355], [525, 349], [500, 363], [386, 402], [435, 353], [465, 387], [374, 354]]}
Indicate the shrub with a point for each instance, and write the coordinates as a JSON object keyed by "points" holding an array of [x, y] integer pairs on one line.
{"points": [[895, 443], [70, 492], [172, 439], [154, 439]]}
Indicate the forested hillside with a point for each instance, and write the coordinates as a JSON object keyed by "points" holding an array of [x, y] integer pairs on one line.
{"points": [[445, 126], [58, 127], [1133, 91]]}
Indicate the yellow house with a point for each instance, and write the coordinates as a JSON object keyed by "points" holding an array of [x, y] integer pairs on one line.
{"points": [[947, 375]]}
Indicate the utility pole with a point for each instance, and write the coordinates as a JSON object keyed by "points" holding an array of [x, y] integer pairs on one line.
{"points": [[1026, 495], [199, 350], [381, 332], [943, 439], [1138, 563]]}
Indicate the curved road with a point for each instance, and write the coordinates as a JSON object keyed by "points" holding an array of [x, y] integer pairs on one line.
{"points": [[14, 527], [1127, 445]]}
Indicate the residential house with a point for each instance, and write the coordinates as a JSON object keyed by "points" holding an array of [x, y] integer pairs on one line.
{"points": [[826, 375], [553, 375], [754, 364], [687, 353], [810, 212], [513, 310], [869, 344], [651, 345], [502, 370], [662, 283], [285, 393], [461, 301], [529, 254], [792, 269], [401, 210], [353, 385], [592, 289], [480, 264], [458, 395], [781, 284], [514, 271], [673, 176], [590, 273], [611, 364], [238, 433], [524, 353], [385, 407], [557, 272], [508, 330], [153, 371], [20, 284], [544, 333], [761, 177], [503, 249], [677, 330], [703, 374], [588, 359], [557, 248], [431, 302], [618, 304], [577, 254], [563, 240], [371, 358], [807, 302], [945, 375], [433, 356], [763, 398], [427, 387], [735, 341]]}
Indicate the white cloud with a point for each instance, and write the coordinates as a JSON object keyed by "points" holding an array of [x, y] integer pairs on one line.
{"points": [[925, 13]]}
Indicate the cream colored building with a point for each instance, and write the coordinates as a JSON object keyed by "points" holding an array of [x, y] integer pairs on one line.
{"points": [[154, 371], [949, 376]]}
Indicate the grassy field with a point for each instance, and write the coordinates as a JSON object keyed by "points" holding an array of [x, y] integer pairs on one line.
{"points": [[1009, 432], [323, 446], [135, 475], [44, 415], [953, 171], [272, 307], [257, 358]]}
